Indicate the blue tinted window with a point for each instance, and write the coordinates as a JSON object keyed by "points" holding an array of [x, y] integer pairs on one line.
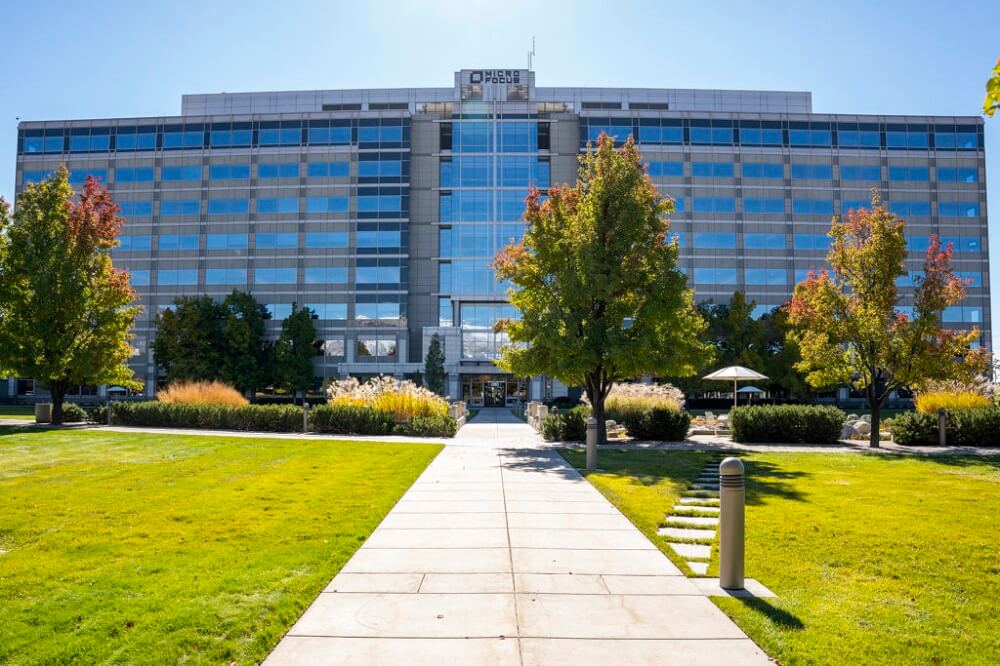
{"points": [[136, 208], [715, 240], [910, 207], [279, 310], [959, 175], [812, 171], [763, 170], [288, 136], [751, 136], [522, 171], [812, 242], [136, 243], [715, 276], [958, 209], [972, 278], [278, 170], [279, 205], [380, 168], [963, 243], [376, 310], [660, 135], [472, 137], [329, 135], [282, 241], [326, 205], [766, 276], [858, 139], [226, 241], [336, 311], [139, 278], [377, 134], [809, 137], [714, 205], [133, 174], [956, 140], [328, 169], [377, 274], [659, 169], [867, 172], [177, 277], [89, 143], [326, 275], [517, 137], [620, 133], [382, 203], [466, 206], [712, 135], [762, 241], [79, 176], [712, 170], [35, 176], [180, 207], [379, 239], [193, 139], [903, 139], [763, 206], [228, 206], [812, 207], [140, 141], [678, 204], [225, 276], [177, 241], [918, 174], [918, 243], [187, 172], [909, 279], [222, 138], [854, 204], [228, 171], [511, 207], [326, 239], [275, 276]]}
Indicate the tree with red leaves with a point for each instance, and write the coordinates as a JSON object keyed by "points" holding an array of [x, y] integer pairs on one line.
{"points": [[66, 314], [848, 326]]}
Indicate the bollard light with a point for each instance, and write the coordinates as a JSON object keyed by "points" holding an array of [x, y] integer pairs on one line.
{"points": [[732, 498], [305, 415], [942, 427], [591, 444]]}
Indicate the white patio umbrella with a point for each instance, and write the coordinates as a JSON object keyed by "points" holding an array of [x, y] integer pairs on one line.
{"points": [[735, 373]]}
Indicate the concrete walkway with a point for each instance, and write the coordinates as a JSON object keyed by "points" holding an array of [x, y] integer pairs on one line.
{"points": [[501, 553]]}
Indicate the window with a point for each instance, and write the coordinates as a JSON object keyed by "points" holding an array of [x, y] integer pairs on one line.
{"points": [[279, 310], [956, 140], [620, 133], [334, 348], [282, 241], [376, 347], [142, 140], [326, 275], [186, 172], [135, 243], [225, 138], [177, 242], [858, 139], [380, 134], [380, 239], [714, 240], [712, 135], [273, 136], [763, 170], [466, 206], [226, 241], [712, 170], [811, 242], [133, 174], [376, 310], [380, 169], [180, 207], [812, 207], [275, 276], [759, 206], [329, 135], [136, 208], [854, 204], [766, 276], [445, 312], [906, 139], [377, 275], [228, 171], [958, 175], [35, 176], [812, 171], [653, 134], [331, 311], [768, 136], [328, 169], [715, 276], [919, 243], [910, 207], [963, 315], [761, 309], [278, 170], [962, 243], [139, 278], [522, 171], [958, 209], [972, 278], [87, 143], [279, 205], [380, 203], [48, 144], [79, 176], [666, 169], [228, 206], [225, 276], [714, 205], [910, 279], [917, 174], [177, 277], [762, 241], [809, 137], [868, 172], [325, 204], [326, 239], [183, 139]]}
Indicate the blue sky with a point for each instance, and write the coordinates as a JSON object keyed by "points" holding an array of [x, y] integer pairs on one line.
{"points": [[109, 58]]}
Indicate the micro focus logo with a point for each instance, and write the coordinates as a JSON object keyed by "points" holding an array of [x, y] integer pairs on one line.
{"points": [[495, 76]]}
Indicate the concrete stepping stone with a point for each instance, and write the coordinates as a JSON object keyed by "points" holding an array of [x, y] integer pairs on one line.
{"points": [[699, 501], [697, 509], [705, 486], [700, 568], [692, 551], [706, 494], [696, 521], [685, 533]]}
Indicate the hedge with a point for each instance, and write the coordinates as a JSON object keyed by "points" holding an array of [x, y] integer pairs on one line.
{"points": [[568, 426], [965, 427], [267, 418], [350, 420], [666, 425], [429, 426], [800, 424]]}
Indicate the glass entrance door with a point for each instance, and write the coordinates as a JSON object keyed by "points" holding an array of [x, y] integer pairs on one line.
{"points": [[495, 393]]}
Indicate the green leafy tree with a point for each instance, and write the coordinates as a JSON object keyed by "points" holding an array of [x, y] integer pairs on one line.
{"points": [[781, 357], [189, 343], [847, 325], [246, 362], [992, 102], [66, 313], [434, 373], [596, 283], [295, 349]]}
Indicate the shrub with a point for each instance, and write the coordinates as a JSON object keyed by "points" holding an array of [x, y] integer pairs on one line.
{"points": [[429, 426], [268, 418], [804, 424], [932, 401], [569, 426], [668, 425], [401, 397], [97, 412], [350, 419], [73, 412], [965, 427], [200, 393], [914, 429]]}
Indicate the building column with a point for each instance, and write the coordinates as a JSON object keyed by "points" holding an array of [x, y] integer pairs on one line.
{"points": [[454, 386]]}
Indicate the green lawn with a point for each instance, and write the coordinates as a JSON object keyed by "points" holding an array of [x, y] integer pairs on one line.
{"points": [[145, 548], [875, 559], [20, 412]]}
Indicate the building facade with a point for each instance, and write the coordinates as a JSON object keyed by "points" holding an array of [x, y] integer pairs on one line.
{"points": [[382, 209]]}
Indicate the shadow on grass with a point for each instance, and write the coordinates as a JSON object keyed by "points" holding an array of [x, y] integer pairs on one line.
{"points": [[766, 479], [779, 616]]}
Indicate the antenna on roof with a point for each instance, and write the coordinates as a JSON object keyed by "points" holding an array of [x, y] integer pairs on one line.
{"points": [[531, 53]]}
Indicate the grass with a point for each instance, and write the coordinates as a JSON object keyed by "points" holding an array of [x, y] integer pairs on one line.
{"points": [[875, 559], [19, 412], [144, 548]]}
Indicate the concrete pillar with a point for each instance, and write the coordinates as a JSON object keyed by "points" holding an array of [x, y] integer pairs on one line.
{"points": [[592, 434], [732, 498], [454, 386]]}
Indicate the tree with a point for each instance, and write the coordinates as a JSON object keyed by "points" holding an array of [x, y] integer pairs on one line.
{"points": [[295, 350], [434, 373], [992, 102], [849, 329], [189, 343], [596, 283], [246, 362], [66, 313], [781, 356]]}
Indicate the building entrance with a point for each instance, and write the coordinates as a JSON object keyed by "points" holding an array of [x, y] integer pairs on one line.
{"points": [[495, 393], [493, 390]]}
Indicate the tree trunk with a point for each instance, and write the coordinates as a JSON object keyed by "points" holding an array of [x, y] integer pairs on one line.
{"points": [[597, 403], [58, 392], [875, 404]]}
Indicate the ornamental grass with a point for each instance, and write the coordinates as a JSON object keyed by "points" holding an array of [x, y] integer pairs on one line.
{"points": [[403, 398], [201, 393], [631, 398], [932, 401]]}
